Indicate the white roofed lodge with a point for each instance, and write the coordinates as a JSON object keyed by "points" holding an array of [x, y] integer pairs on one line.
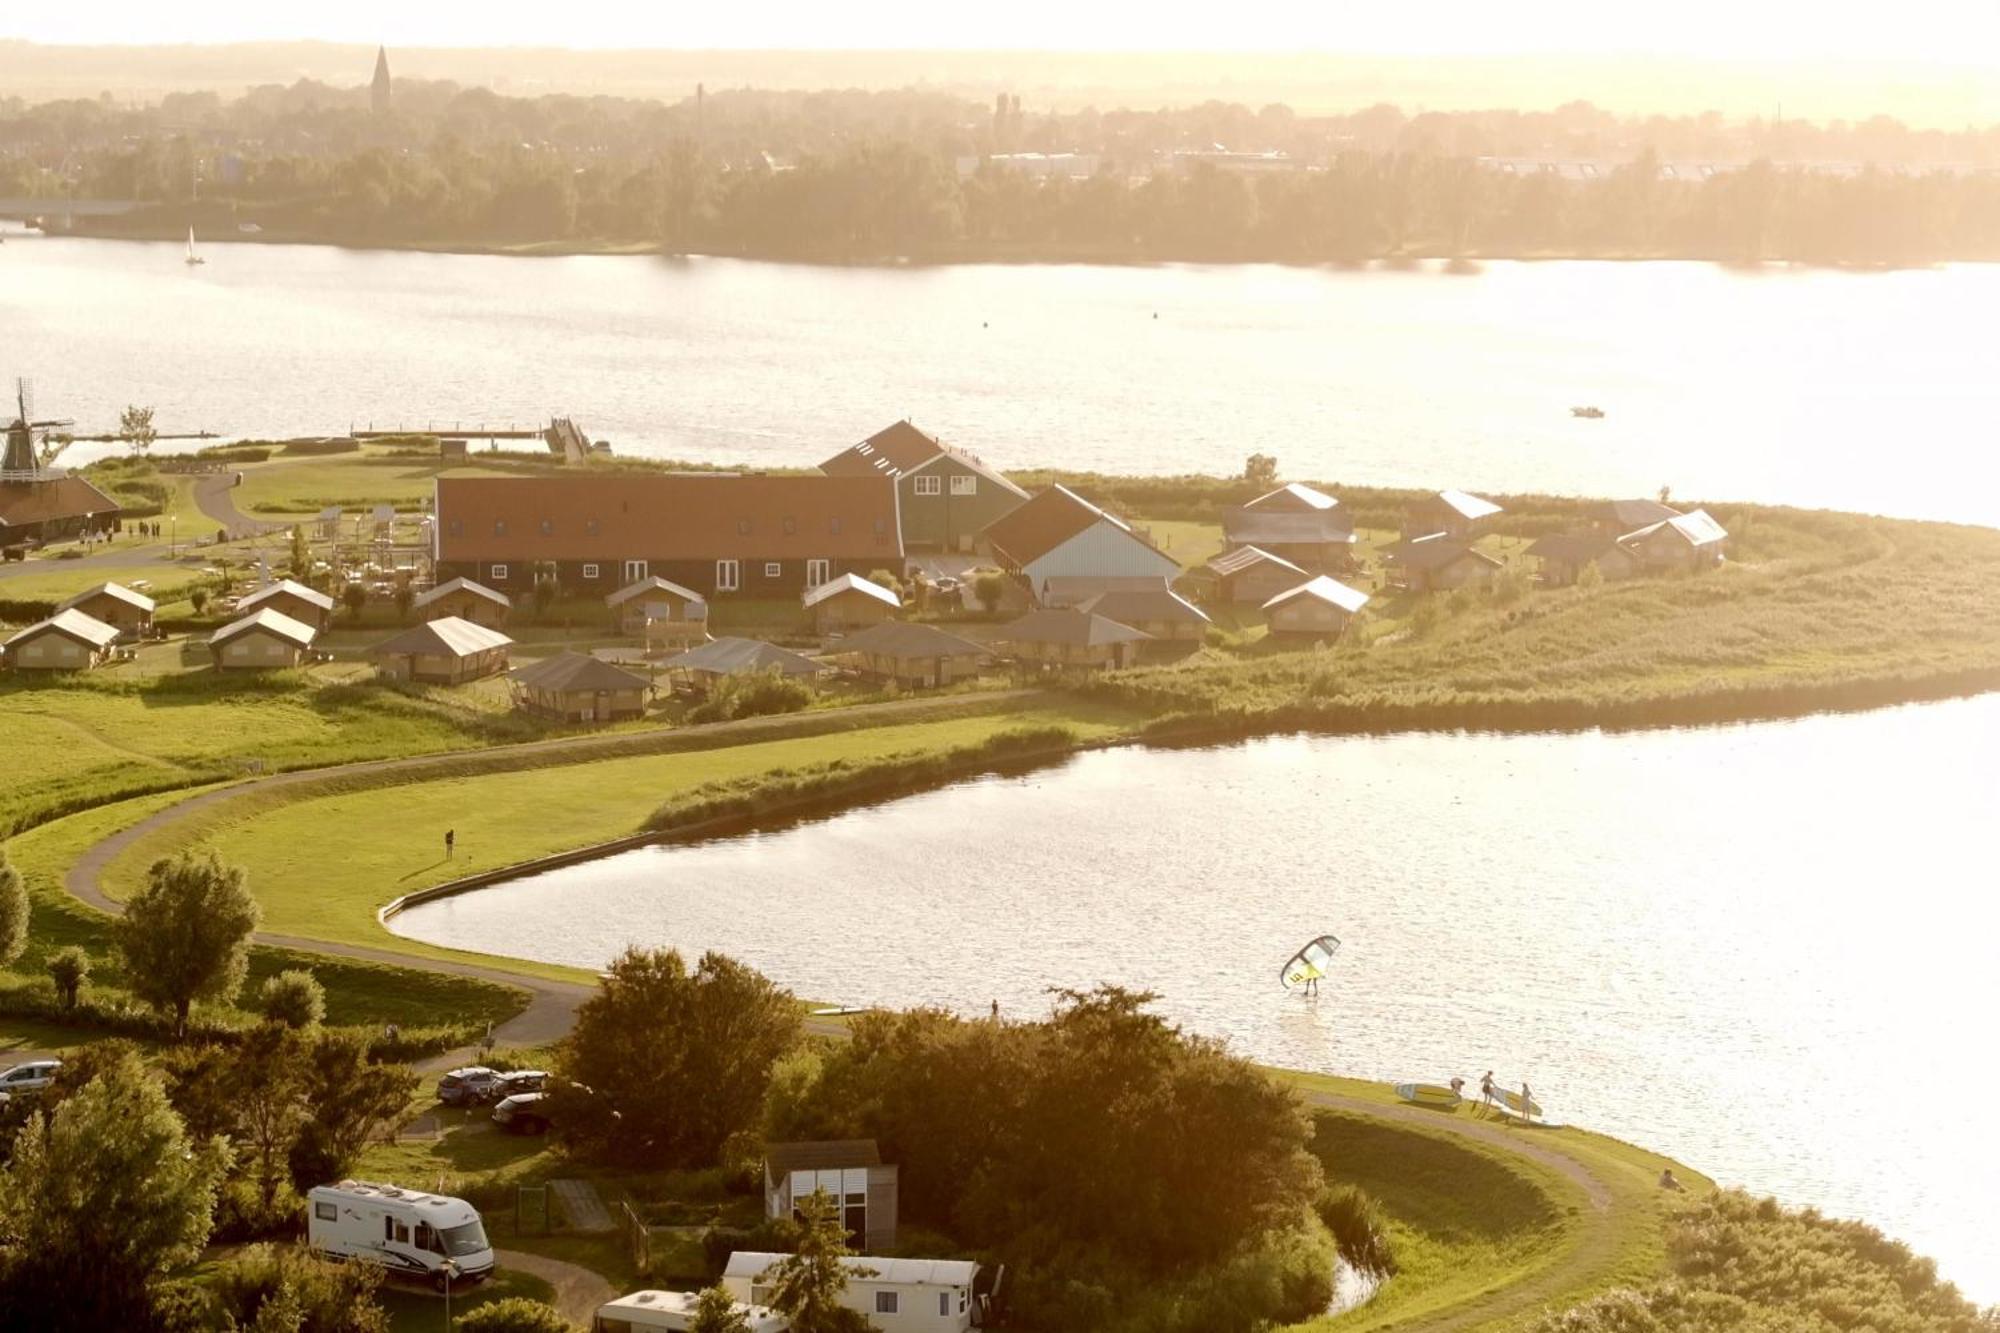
{"points": [[896, 1295]]}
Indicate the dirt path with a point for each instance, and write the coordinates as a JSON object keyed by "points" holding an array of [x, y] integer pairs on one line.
{"points": [[1596, 1254], [578, 1290]]}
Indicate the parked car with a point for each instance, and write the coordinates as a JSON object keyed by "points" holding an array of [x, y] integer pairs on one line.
{"points": [[30, 1077], [516, 1081], [523, 1113], [473, 1085]]}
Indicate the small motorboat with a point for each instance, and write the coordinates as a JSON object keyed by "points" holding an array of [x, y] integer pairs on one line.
{"points": [[1434, 1095], [1588, 413]]}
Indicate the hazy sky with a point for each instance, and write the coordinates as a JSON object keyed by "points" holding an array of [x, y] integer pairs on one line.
{"points": [[1945, 31]]}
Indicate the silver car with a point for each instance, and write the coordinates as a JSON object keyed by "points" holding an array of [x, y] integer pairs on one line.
{"points": [[30, 1077]]}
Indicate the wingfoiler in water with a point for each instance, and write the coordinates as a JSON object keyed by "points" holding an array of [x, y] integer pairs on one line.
{"points": [[1306, 967]]}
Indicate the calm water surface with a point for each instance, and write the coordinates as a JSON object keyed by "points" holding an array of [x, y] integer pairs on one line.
{"points": [[1868, 391], [1767, 950]]}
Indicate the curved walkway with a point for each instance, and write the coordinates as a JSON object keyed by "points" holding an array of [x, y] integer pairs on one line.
{"points": [[212, 496], [552, 1004], [1595, 1256], [578, 1291]]}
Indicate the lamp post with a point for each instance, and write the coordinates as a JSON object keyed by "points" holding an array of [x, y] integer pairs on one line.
{"points": [[449, 1268], [173, 532]]}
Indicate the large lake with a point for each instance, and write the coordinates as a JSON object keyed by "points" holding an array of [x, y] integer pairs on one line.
{"points": [[1869, 391], [1768, 950]]}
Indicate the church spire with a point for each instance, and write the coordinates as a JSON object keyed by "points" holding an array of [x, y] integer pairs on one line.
{"points": [[378, 94]]}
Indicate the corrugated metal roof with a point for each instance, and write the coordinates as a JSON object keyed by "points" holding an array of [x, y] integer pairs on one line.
{"points": [[447, 636], [1467, 505], [272, 622], [851, 583], [822, 1154], [576, 671], [1294, 496], [654, 583], [446, 589], [1071, 627], [1232, 563], [116, 590], [1281, 527], [901, 639], [298, 590], [1129, 605], [727, 656], [75, 624], [1433, 551], [1324, 589]]}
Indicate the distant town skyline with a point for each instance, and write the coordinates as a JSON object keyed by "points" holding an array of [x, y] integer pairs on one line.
{"points": [[1943, 32]]}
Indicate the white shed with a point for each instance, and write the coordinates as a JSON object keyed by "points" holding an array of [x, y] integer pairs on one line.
{"points": [[896, 1295]]}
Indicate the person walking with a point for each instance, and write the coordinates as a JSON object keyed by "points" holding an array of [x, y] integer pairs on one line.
{"points": [[1527, 1104], [450, 842], [1486, 1090]]}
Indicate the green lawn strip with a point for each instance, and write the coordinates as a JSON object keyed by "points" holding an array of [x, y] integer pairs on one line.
{"points": [[1450, 1250], [357, 992], [417, 1309], [301, 486], [56, 580], [324, 864]]}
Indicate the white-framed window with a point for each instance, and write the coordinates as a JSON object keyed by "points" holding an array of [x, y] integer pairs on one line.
{"points": [[728, 575], [885, 1302], [498, 571], [327, 1212], [635, 570], [944, 1303], [967, 484], [590, 571], [929, 485], [773, 569], [817, 572]]}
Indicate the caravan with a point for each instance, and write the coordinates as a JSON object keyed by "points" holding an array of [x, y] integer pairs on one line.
{"points": [[644, 1311], [405, 1231]]}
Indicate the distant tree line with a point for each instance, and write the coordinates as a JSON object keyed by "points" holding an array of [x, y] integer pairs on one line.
{"points": [[861, 175]]}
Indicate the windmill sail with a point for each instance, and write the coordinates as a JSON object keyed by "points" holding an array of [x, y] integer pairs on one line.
{"points": [[1310, 963]]}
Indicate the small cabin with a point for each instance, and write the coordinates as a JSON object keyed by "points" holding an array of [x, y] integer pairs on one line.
{"points": [[906, 1295], [1321, 608], [445, 651], [462, 599], [574, 687], [264, 640], [1563, 556], [1686, 542], [1304, 526], [850, 602], [659, 610], [705, 664], [1072, 640], [128, 611], [1453, 513], [69, 640], [918, 656], [1252, 576], [850, 1172], [1436, 562], [292, 600], [1159, 612]]}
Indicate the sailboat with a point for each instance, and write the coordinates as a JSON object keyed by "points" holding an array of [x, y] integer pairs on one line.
{"points": [[192, 257]]}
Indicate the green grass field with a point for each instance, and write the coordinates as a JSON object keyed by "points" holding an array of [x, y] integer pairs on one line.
{"points": [[291, 486], [323, 865]]}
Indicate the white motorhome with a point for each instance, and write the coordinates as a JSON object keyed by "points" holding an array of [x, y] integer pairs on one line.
{"points": [[897, 1295], [644, 1310], [404, 1231]]}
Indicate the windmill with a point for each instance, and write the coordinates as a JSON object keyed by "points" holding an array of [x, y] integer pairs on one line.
{"points": [[31, 445]]}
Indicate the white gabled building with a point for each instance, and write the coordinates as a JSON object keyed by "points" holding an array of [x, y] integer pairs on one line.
{"points": [[896, 1295]]}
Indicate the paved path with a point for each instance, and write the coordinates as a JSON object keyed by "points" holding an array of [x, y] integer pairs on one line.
{"points": [[552, 1004], [214, 496], [1594, 1257], [114, 557], [578, 1290]]}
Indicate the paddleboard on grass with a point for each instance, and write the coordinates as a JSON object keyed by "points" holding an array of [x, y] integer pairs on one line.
{"points": [[1429, 1094], [1508, 1103]]}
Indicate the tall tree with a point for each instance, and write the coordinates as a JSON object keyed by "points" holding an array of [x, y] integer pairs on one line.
{"points": [[266, 1088], [677, 1060], [100, 1202], [807, 1284], [349, 1097], [13, 911], [135, 428], [186, 935]]}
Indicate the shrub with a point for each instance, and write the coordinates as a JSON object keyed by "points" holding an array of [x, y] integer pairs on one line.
{"points": [[989, 588], [333, 445], [1358, 1228], [13, 911], [515, 1314], [753, 694], [69, 969], [293, 997], [328, 1297]]}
